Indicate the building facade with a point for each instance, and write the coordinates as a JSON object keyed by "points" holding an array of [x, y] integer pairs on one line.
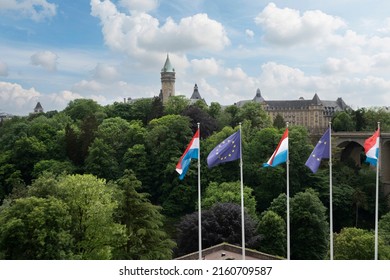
{"points": [[314, 114]]}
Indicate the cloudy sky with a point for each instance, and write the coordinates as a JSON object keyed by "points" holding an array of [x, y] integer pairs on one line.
{"points": [[54, 51]]}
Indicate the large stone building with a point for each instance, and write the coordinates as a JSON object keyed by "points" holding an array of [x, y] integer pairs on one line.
{"points": [[315, 114]]}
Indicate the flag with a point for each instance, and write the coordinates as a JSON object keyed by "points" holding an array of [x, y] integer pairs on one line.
{"points": [[320, 151], [371, 148], [191, 152], [281, 152], [227, 150]]}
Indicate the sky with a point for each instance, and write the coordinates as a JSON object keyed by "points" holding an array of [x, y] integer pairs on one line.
{"points": [[55, 51]]}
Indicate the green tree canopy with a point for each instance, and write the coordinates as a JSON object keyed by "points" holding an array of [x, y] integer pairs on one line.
{"points": [[309, 227], [229, 192], [36, 228], [357, 244], [272, 229], [91, 207], [146, 238]]}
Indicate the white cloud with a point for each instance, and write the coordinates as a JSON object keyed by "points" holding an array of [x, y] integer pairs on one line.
{"points": [[249, 33], [288, 27], [88, 86], [106, 73], [3, 69], [205, 67], [14, 96], [35, 9], [385, 29], [139, 5], [46, 59], [61, 100], [280, 82], [140, 33]]}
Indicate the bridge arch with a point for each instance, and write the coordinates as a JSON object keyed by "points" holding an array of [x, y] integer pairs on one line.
{"points": [[351, 150], [351, 145]]}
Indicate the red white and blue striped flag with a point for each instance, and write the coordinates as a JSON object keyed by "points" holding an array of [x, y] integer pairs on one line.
{"points": [[281, 152], [371, 148], [191, 152]]}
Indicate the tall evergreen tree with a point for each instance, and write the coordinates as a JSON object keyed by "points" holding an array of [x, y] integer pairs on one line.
{"points": [[146, 238]]}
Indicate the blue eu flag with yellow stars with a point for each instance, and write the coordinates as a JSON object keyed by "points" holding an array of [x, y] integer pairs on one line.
{"points": [[320, 151], [227, 150]]}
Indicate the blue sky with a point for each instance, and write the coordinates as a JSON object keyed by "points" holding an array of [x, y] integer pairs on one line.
{"points": [[55, 51]]}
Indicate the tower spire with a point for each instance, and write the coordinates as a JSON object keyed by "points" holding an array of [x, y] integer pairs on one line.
{"points": [[167, 80]]}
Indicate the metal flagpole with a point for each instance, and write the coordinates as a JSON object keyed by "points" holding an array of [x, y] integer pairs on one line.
{"points": [[288, 201], [330, 192], [199, 202], [377, 194], [242, 200]]}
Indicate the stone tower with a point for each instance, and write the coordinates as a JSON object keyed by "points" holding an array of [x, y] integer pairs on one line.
{"points": [[167, 81]]}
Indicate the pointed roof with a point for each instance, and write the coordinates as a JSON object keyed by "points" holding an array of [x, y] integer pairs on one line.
{"points": [[196, 94], [316, 100], [168, 66], [38, 108], [258, 98]]}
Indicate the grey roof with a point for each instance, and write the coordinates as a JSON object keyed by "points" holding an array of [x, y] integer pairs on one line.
{"points": [[38, 106], [300, 104], [328, 105], [196, 94], [168, 66], [258, 97]]}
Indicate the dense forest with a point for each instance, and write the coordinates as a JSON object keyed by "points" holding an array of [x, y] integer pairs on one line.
{"points": [[99, 182]]}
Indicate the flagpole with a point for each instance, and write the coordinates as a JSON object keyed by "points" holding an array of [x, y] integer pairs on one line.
{"points": [[377, 195], [199, 203], [330, 192], [242, 199], [288, 202]]}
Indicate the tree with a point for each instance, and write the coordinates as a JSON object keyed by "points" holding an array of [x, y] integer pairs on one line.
{"points": [[384, 228], [272, 229], [142, 109], [176, 105], [221, 223], [197, 115], [229, 192], [91, 207], [165, 141], [357, 244], [253, 112], [35, 228], [54, 166], [343, 122], [214, 109], [279, 122], [146, 239], [27, 152], [309, 227], [101, 161], [79, 109], [267, 183]]}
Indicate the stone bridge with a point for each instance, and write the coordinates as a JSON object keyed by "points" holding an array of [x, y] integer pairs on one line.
{"points": [[351, 144]]}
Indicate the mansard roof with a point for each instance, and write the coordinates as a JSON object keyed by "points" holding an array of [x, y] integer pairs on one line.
{"points": [[338, 105], [300, 104]]}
